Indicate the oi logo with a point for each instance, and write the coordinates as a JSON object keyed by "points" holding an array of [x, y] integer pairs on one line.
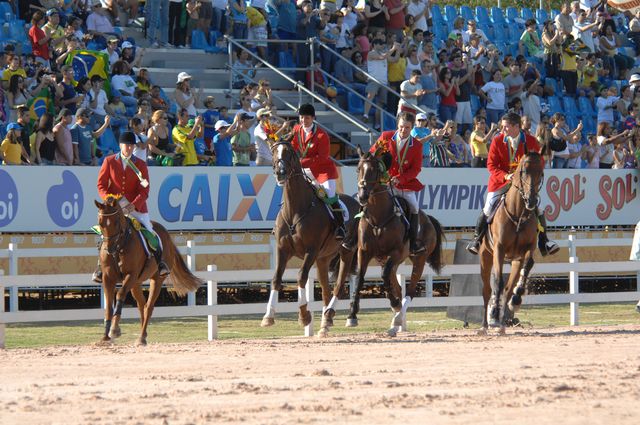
{"points": [[65, 200], [8, 199]]}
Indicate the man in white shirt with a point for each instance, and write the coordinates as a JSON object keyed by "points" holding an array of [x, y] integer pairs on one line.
{"points": [[98, 23], [472, 28], [418, 9], [410, 90], [111, 50], [377, 67], [531, 103], [583, 30]]}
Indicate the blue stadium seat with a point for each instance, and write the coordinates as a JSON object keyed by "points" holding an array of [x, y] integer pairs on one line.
{"points": [[488, 30], [512, 14], [355, 105], [515, 32], [6, 13], [554, 13], [500, 35], [497, 15], [467, 13], [450, 13], [285, 60], [388, 122], [569, 105], [482, 15], [553, 83], [572, 122], [199, 41], [554, 104], [541, 16], [436, 13], [526, 13], [585, 107], [475, 104]]}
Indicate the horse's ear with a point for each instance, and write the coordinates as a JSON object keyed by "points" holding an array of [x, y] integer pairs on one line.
{"points": [[359, 150], [98, 204]]}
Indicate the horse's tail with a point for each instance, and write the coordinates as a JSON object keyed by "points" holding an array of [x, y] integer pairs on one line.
{"points": [[183, 280], [435, 258]]}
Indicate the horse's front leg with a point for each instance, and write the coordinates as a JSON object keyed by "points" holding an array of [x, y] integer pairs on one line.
{"points": [[108, 287], [322, 266], [394, 293], [497, 286], [282, 257], [363, 263], [486, 265], [518, 290], [304, 315], [127, 283]]}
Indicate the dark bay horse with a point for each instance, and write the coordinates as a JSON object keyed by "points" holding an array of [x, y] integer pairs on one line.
{"points": [[304, 229], [123, 259], [513, 234], [382, 235]]}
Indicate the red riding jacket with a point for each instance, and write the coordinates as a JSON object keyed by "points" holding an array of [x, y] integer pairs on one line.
{"points": [[502, 161], [314, 153], [114, 179], [406, 164]]}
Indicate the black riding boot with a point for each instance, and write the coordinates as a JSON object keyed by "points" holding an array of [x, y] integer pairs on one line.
{"points": [[545, 246], [351, 240], [339, 218], [415, 244], [478, 234], [163, 269]]}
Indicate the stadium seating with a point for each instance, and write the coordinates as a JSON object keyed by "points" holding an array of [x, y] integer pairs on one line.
{"points": [[554, 105], [6, 13], [388, 122], [512, 14], [467, 13], [585, 107], [569, 106], [450, 14], [526, 13], [475, 104], [542, 16], [482, 15], [497, 16], [355, 105]]}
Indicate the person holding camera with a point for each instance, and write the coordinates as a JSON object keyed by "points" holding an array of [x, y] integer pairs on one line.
{"points": [[185, 137], [241, 144]]}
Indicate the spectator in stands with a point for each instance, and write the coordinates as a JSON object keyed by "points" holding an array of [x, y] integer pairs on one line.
{"points": [[125, 86], [605, 105], [257, 30], [193, 16], [527, 69], [448, 87], [219, 20], [82, 137], [71, 44], [413, 62], [530, 43], [39, 40], [138, 127], [158, 138], [472, 29], [176, 26], [111, 51], [479, 141], [634, 31], [377, 15], [222, 141], [13, 68], [583, 30], [45, 143], [410, 90], [184, 137], [238, 15], [463, 71], [185, 97], [563, 136], [206, 13], [98, 100], [607, 141], [263, 97], [17, 95], [440, 155], [54, 31], [287, 13], [70, 99], [513, 83], [11, 150], [243, 70], [531, 105], [157, 102], [144, 111], [377, 67], [264, 135], [543, 136], [64, 143], [143, 83], [209, 119], [429, 99], [617, 63], [361, 41], [396, 66], [552, 42], [98, 23], [418, 9], [564, 21], [158, 22], [592, 153], [118, 112], [458, 147], [569, 68], [494, 94], [24, 121], [127, 55], [241, 142]]}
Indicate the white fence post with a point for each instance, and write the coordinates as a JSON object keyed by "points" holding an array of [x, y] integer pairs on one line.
{"points": [[403, 293], [428, 286], [574, 282], [272, 252], [308, 330], [191, 263], [2, 325], [212, 300], [13, 271]]}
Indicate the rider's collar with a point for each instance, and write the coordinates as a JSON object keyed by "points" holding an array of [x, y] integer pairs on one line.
{"points": [[309, 129], [514, 142]]}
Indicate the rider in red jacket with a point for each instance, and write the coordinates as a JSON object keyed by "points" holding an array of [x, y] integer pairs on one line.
{"points": [[312, 143], [125, 175], [507, 148]]}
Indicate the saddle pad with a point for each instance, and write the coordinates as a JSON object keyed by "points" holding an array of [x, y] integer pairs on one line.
{"points": [[343, 207], [150, 238]]}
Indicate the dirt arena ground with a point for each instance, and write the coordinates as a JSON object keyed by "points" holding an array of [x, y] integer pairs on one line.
{"points": [[585, 375]]}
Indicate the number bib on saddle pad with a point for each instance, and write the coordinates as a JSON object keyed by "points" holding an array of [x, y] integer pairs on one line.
{"points": [[149, 237]]}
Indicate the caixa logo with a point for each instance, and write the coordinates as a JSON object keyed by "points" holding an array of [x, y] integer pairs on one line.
{"points": [[8, 199], [65, 200]]}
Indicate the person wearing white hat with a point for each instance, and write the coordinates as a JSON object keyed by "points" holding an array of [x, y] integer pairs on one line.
{"points": [[634, 81], [266, 133], [222, 141], [98, 23], [185, 96]]}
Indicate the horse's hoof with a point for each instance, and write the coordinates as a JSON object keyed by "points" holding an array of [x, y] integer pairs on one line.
{"points": [[141, 342], [482, 332], [397, 320], [638, 308], [323, 332], [327, 317], [351, 323], [304, 320], [392, 332], [267, 321], [115, 333], [105, 341], [502, 331], [494, 323]]}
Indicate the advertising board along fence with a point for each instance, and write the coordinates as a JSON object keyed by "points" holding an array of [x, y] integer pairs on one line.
{"points": [[213, 310]]}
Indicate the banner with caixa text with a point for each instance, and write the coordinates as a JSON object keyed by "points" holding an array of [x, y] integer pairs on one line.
{"points": [[61, 199]]}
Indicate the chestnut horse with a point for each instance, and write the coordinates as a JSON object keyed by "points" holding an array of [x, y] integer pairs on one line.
{"points": [[304, 229], [123, 259], [382, 235], [513, 234]]}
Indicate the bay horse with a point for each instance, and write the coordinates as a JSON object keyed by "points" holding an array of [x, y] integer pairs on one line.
{"points": [[304, 229], [512, 234], [123, 259], [382, 234]]}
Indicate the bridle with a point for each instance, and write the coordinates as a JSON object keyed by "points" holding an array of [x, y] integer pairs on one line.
{"points": [[525, 190], [117, 241], [284, 169], [369, 185]]}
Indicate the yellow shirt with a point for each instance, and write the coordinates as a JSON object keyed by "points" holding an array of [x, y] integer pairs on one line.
{"points": [[7, 74], [255, 18], [11, 152], [186, 146], [479, 146], [569, 62], [395, 70], [584, 78]]}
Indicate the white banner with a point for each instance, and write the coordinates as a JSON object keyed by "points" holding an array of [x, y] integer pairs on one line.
{"points": [[625, 5], [60, 199]]}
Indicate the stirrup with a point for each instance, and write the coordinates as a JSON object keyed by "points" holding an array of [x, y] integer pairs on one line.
{"points": [[97, 276], [340, 233], [473, 247], [415, 250], [163, 269]]}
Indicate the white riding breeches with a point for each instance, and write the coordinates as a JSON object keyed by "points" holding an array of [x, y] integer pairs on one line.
{"points": [[492, 200], [144, 219], [329, 186], [411, 197]]}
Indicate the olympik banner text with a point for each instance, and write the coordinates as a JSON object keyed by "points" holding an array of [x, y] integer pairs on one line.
{"points": [[61, 199]]}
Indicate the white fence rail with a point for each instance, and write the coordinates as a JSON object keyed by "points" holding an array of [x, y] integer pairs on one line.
{"points": [[213, 310]]}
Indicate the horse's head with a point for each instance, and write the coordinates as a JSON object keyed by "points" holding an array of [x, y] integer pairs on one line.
{"points": [[286, 162], [111, 219], [371, 170], [528, 179]]}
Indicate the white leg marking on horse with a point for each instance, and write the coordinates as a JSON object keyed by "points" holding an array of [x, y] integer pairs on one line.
{"points": [[302, 296], [332, 302], [271, 305], [406, 301]]}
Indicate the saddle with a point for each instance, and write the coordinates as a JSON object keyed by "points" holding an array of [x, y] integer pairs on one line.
{"points": [[401, 209], [149, 239]]}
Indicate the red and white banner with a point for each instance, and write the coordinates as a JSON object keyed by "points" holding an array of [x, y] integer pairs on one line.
{"points": [[625, 5]]}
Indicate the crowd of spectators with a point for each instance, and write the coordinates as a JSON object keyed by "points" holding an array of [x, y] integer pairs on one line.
{"points": [[458, 74]]}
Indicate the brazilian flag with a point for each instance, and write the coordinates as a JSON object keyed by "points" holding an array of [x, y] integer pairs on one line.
{"points": [[87, 63], [42, 102]]}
